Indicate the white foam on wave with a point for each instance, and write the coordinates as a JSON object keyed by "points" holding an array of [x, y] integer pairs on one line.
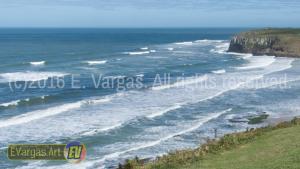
{"points": [[233, 87], [3, 148], [160, 113], [115, 77], [221, 48], [152, 51], [182, 83], [170, 49], [208, 41], [12, 103], [144, 48], [43, 97], [221, 71], [242, 55], [202, 40], [140, 75], [95, 131], [95, 101], [16, 102], [34, 165], [38, 63], [184, 43], [279, 79], [177, 106], [258, 62], [138, 53], [174, 107], [28, 76], [88, 68], [38, 114], [96, 62]]}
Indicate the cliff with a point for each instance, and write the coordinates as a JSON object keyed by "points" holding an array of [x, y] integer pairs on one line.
{"points": [[275, 42]]}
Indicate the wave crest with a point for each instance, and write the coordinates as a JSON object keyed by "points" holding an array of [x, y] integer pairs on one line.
{"points": [[28, 76], [96, 62], [38, 63], [182, 83]]}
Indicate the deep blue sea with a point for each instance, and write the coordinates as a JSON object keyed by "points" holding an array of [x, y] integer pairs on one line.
{"points": [[133, 92]]}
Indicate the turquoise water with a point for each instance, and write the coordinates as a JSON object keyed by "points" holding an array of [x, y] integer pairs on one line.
{"points": [[205, 88]]}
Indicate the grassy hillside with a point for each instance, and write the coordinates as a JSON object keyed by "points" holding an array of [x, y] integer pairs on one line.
{"points": [[275, 147]]}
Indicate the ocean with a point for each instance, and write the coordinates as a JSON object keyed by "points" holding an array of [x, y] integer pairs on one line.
{"points": [[133, 92]]}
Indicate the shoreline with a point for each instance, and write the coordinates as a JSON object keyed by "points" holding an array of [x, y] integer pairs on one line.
{"points": [[273, 123], [270, 42]]}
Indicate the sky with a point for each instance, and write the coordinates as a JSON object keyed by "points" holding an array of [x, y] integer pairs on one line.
{"points": [[149, 13]]}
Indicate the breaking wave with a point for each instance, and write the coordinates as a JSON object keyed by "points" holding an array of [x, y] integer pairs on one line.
{"points": [[258, 62], [28, 76], [17, 102], [221, 71], [38, 114], [138, 53], [38, 63], [182, 83], [96, 62]]}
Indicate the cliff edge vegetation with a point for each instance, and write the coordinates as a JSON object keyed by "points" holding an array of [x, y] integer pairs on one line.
{"points": [[271, 147], [274, 42]]}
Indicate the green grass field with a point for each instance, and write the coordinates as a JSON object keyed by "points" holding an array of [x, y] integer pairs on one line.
{"points": [[275, 147], [278, 149]]}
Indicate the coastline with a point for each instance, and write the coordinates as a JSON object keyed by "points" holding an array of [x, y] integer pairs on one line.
{"points": [[270, 41], [272, 123], [213, 147]]}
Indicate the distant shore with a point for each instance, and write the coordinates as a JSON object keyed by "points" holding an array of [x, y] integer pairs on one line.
{"points": [[274, 42]]}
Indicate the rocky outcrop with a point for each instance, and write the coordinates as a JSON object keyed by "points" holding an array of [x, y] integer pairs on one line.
{"points": [[275, 42]]}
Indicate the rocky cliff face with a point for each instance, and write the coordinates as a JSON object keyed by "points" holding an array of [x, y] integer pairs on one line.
{"points": [[275, 42]]}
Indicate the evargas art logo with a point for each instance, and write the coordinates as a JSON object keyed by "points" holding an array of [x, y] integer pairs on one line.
{"points": [[73, 152]]}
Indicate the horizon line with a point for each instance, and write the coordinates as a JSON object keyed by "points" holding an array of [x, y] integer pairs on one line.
{"points": [[158, 27]]}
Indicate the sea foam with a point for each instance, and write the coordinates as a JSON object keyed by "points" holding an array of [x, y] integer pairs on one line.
{"points": [[38, 114], [195, 126], [16, 102], [138, 53], [258, 62], [11, 103], [182, 83], [144, 48], [160, 113], [38, 63], [96, 62], [184, 43], [28, 76], [221, 71]]}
